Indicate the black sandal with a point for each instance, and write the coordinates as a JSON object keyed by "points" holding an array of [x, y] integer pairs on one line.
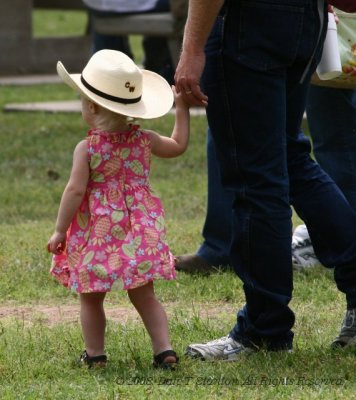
{"points": [[159, 360], [95, 361]]}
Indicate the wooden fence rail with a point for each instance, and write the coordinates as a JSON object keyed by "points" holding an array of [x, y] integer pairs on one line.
{"points": [[21, 53]]}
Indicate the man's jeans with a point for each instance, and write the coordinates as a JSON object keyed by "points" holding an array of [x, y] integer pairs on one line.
{"points": [[332, 123], [260, 57]]}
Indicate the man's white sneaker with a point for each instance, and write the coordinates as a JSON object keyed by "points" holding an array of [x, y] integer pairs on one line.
{"points": [[225, 348], [303, 255]]}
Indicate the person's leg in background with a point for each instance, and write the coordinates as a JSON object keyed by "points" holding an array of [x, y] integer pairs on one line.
{"points": [[214, 251], [331, 115], [157, 55], [120, 43], [112, 42], [330, 220]]}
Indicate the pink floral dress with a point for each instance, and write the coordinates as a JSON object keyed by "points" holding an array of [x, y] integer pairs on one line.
{"points": [[117, 238]]}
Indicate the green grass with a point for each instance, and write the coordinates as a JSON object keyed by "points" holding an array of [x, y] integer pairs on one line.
{"points": [[36, 356], [59, 23], [75, 23]]}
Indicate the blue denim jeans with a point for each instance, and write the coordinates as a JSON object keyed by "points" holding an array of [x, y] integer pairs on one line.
{"points": [[217, 226], [259, 59], [332, 123]]}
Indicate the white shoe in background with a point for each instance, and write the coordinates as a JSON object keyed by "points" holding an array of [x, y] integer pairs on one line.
{"points": [[303, 255]]}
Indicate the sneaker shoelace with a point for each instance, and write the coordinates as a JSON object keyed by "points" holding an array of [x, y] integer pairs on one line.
{"points": [[219, 340]]}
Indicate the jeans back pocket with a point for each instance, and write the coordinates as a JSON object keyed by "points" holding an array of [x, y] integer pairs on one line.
{"points": [[268, 34]]}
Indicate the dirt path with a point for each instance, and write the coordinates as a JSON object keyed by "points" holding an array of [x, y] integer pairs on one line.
{"points": [[69, 313]]}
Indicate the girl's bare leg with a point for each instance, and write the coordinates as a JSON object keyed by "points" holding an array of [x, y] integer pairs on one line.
{"points": [[153, 316], [92, 317]]}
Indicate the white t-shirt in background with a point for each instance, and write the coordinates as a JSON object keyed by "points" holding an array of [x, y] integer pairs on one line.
{"points": [[121, 6]]}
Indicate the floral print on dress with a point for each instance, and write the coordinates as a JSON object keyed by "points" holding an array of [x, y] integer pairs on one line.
{"points": [[117, 239]]}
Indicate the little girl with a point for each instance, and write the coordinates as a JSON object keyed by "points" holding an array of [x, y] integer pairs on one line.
{"points": [[110, 229]]}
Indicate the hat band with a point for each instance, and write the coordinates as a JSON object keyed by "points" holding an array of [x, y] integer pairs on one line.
{"points": [[108, 96]]}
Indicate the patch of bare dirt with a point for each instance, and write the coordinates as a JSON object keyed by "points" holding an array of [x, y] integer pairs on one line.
{"points": [[69, 313], [51, 315]]}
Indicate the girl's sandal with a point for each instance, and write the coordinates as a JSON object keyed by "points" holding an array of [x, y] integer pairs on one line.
{"points": [[95, 361], [161, 360]]}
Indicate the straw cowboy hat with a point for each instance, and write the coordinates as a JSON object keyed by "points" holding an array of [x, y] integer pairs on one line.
{"points": [[112, 80]]}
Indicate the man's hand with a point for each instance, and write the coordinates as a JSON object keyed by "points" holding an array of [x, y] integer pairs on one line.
{"points": [[187, 78]]}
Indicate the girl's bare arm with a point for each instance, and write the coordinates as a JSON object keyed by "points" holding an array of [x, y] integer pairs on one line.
{"points": [[72, 196], [168, 147]]}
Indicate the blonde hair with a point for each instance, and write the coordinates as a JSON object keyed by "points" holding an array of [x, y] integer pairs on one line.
{"points": [[106, 119]]}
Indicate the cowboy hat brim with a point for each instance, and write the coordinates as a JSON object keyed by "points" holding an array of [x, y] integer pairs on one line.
{"points": [[156, 100]]}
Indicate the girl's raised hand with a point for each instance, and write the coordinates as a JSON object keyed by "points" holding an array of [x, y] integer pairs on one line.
{"points": [[179, 99]]}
